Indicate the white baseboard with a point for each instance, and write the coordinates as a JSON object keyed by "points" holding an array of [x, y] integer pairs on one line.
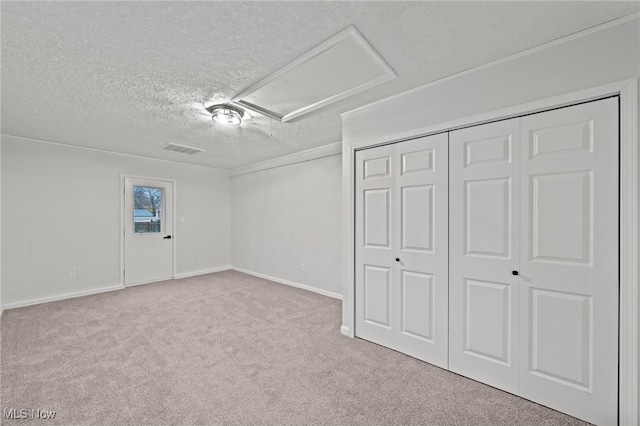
{"points": [[148, 282], [290, 283], [177, 276], [101, 290], [202, 272], [344, 330], [61, 297]]}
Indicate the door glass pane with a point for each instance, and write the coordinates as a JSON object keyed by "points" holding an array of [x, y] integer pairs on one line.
{"points": [[147, 205]]}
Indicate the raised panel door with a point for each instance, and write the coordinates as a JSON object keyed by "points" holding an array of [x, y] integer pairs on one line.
{"points": [[375, 244], [422, 272], [569, 260], [402, 247], [483, 244]]}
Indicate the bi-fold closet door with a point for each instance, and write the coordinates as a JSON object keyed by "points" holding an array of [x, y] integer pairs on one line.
{"points": [[401, 250], [533, 284], [500, 264]]}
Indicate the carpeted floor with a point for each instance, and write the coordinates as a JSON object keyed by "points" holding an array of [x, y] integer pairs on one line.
{"points": [[227, 348]]}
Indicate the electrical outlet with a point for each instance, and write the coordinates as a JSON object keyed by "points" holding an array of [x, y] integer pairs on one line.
{"points": [[200, 257], [72, 272], [303, 267]]}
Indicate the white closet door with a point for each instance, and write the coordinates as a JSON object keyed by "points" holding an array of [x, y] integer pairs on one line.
{"points": [[569, 260], [375, 245], [484, 244], [421, 274], [401, 247]]}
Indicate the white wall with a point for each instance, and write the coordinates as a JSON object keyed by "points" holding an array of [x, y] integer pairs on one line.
{"points": [[289, 215], [1, 309], [61, 209], [602, 57]]}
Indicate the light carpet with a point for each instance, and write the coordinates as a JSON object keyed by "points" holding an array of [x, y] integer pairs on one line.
{"points": [[228, 348]]}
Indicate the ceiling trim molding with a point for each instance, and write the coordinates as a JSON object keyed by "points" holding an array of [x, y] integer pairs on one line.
{"points": [[521, 54], [104, 151], [298, 157]]}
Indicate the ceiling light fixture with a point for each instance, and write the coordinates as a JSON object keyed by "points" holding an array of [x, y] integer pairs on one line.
{"points": [[226, 114]]}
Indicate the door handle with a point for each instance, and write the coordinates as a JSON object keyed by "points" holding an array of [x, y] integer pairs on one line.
{"points": [[168, 237], [514, 272]]}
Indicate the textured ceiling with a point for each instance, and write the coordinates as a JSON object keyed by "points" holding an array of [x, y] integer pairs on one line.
{"points": [[133, 76]]}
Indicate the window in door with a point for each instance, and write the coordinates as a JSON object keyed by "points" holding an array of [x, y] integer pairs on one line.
{"points": [[147, 210]]}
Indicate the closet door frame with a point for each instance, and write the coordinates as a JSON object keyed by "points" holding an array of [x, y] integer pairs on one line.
{"points": [[629, 350]]}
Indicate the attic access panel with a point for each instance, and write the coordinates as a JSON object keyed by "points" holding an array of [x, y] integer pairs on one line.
{"points": [[340, 67]]}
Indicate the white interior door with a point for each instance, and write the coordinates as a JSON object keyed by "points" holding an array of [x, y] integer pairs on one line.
{"points": [[148, 230], [401, 253], [421, 274], [538, 196], [569, 260], [484, 245], [375, 245]]}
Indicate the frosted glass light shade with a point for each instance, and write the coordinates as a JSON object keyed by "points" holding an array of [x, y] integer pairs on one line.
{"points": [[226, 114]]}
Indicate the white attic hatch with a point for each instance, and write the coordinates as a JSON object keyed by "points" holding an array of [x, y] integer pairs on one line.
{"points": [[340, 67]]}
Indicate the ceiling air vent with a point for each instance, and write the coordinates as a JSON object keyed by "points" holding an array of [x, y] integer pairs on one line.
{"points": [[183, 149]]}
